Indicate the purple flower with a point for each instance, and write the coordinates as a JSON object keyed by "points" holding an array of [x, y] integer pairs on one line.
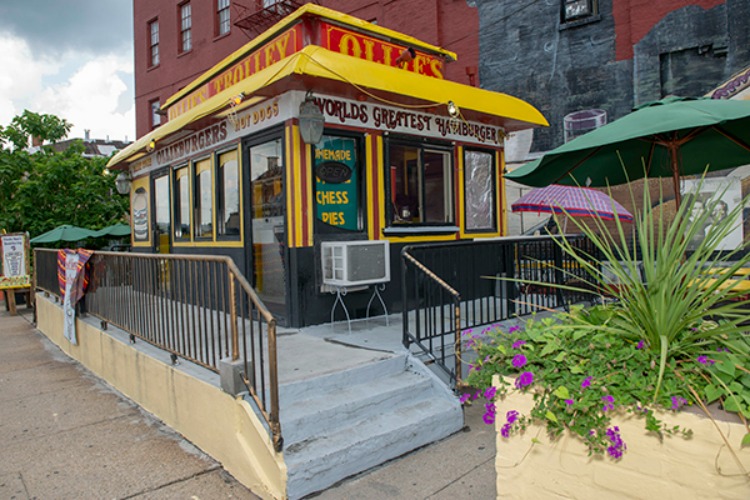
{"points": [[519, 360], [470, 342], [514, 329], [486, 359], [704, 360], [569, 402], [505, 431], [586, 382], [678, 402], [609, 400], [525, 379], [616, 449], [489, 393], [464, 398], [640, 345], [489, 418], [467, 332], [518, 343], [490, 408], [476, 396], [487, 330], [722, 349], [511, 416]]}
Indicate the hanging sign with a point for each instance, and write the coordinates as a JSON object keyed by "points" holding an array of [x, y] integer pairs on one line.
{"points": [[336, 182]]}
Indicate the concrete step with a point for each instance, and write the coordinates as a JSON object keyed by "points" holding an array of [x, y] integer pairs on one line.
{"points": [[329, 409], [293, 392], [324, 459]]}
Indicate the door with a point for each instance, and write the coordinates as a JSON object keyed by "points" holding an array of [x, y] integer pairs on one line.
{"points": [[162, 227]]}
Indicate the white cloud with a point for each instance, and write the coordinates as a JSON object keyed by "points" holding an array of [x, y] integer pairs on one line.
{"points": [[88, 98]]}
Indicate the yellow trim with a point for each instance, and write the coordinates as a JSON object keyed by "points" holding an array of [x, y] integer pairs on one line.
{"points": [[381, 183], [209, 243], [202, 165], [418, 239], [298, 149], [275, 30], [288, 160], [317, 62], [503, 205], [369, 183], [310, 207], [461, 188]]}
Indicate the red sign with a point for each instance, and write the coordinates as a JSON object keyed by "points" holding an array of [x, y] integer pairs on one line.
{"points": [[337, 39]]}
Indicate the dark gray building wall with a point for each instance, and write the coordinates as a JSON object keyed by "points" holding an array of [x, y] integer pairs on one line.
{"points": [[526, 51]]}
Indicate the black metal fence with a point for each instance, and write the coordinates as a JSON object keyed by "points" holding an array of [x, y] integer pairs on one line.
{"points": [[450, 287], [199, 308]]}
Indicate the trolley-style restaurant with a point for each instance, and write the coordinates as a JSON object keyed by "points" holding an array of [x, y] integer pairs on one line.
{"points": [[314, 153]]}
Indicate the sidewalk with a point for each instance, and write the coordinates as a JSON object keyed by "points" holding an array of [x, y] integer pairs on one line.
{"points": [[66, 434]]}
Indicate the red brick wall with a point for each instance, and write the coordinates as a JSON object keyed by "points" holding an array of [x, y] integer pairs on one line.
{"points": [[635, 18], [450, 24]]}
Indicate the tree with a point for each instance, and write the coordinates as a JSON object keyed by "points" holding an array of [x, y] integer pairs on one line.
{"points": [[44, 189]]}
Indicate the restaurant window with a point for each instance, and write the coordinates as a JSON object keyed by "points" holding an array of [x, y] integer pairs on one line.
{"points": [[337, 172], [140, 214], [161, 204], [228, 215], [421, 187], [155, 113], [186, 27], [182, 204], [204, 224], [573, 10], [223, 17], [153, 46], [479, 190]]}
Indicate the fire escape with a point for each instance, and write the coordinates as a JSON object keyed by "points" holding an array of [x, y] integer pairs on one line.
{"points": [[262, 14]]}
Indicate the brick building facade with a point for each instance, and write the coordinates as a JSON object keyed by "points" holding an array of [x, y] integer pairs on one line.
{"points": [[177, 41], [565, 56]]}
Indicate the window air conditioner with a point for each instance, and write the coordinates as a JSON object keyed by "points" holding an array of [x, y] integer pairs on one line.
{"points": [[355, 263]]}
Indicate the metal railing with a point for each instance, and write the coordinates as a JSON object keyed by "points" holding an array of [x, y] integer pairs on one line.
{"points": [[450, 287], [199, 308]]}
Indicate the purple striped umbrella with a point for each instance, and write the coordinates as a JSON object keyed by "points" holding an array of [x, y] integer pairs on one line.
{"points": [[573, 200]]}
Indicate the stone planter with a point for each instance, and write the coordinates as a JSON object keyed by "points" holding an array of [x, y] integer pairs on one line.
{"points": [[700, 467]]}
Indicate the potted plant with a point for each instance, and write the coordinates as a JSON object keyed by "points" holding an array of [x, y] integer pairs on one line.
{"points": [[668, 340]]}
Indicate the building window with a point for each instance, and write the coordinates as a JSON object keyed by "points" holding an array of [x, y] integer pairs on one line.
{"points": [[155, 113], [229, 195], [186, 25], [161, 204], [479, 191], [223, 17], [578, 9], [337, 166], [140, 215], [182, 204], [204, 225], [421, 186], [153, 28]]}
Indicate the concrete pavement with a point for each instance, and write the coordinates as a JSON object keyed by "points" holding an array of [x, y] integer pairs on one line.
{"points": [[66, 434]]}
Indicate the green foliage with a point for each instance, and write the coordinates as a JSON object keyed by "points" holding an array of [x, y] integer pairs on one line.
{"points": [[45, 189], [672, 335]]}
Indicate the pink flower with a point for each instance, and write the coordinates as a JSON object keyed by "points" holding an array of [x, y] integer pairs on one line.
{"points": [[518, 343], [519, 360], [464, 398], [511, 416], [505, 431], [704, 360], [524, 380], [640, 345], [489, 418], [489, 393], [569, 402], [609, 400], [514, 329], [586, 382]]}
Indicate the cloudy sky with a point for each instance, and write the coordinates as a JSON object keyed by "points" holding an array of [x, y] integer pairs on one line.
{"points": [[70, 58]]}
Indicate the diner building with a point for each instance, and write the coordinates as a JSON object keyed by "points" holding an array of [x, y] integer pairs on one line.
{"points": [[313, 154]]}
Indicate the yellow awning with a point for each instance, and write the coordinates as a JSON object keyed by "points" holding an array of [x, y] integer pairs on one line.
{"points": [[319, 11], [389, 85]]}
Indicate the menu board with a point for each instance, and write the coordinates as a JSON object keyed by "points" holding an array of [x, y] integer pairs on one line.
{"points": [[14, 271]]}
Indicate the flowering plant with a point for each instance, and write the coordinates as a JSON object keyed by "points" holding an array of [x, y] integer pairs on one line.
{"points": [[672, 339]]}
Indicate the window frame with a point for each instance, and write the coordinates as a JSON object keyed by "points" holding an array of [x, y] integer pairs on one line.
{"points": [[592, 6], [220, 194], [185, 236], [155, 108], [154, 54], [219, 22], [201, 166], [494, 180], [185, 27], [423, 146]]}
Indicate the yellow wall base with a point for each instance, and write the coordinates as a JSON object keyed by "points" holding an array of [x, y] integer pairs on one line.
{"points": [[700, 467], [224, 427]]}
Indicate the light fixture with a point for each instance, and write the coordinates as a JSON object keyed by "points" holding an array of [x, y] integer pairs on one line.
{"points": [[151, 145], [122, 183], [311, 120], [236, 100], [452, 109], [406, 55]]}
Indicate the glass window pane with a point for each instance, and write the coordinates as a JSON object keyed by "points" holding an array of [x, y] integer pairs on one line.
{"points": [[479, 189], [204, 200], [140, 214], [182, 204], [437, 197], [161, 204], [229, 194], [222, 9], [405, 183]]}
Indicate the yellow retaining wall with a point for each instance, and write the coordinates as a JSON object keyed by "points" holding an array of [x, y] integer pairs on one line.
{"points": [[224, 427], [700, 467]]}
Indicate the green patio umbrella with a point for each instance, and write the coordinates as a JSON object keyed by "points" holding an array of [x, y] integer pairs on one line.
{"points": [[116, 230], [668, 138], [63, 233]]}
